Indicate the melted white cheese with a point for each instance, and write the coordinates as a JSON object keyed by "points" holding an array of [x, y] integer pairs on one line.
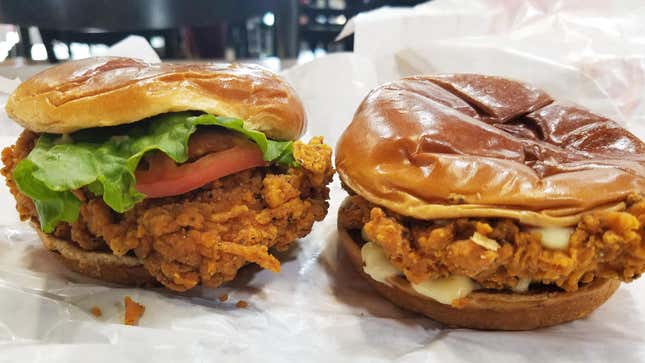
{"points": [[487, 243], [376, 264], [522, 285], [554, 238], [446, 290]]}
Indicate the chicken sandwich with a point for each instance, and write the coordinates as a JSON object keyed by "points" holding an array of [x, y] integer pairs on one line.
{"points": [[481, 202], [138, 173]]}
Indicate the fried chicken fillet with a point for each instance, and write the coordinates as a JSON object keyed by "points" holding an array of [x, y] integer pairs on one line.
{"points": [[603, 245]]}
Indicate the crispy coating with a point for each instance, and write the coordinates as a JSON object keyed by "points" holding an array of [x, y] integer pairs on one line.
{"points": [[133, 311], [12, 156], [96, 311], [603, 244], [207, 235]]}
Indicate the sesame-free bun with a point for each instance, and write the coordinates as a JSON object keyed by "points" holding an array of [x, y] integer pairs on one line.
{"points": [[110, 91], [125, 270], [465, 145], [486, 309]]}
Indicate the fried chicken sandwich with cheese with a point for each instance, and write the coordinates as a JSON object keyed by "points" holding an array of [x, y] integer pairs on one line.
{"points": [[140, 173], [481, 202]]}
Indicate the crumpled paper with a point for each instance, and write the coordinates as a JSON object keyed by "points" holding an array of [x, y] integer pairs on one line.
{"points": [[134, 46], [318, 309], [591, 52]]}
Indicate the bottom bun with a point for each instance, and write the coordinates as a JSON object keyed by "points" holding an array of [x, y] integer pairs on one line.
{"points": [[125, 270], [491, 310]]}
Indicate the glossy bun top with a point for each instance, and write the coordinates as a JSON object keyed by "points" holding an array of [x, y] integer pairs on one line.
{"points": [[446, 146], [109, 91]]}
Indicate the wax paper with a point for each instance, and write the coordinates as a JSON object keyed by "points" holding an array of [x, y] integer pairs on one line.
{"points": [[318, 309]]}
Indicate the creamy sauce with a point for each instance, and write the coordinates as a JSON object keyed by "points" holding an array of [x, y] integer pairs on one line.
{"points": [[487, 243], [522, 285], [554, 238], [446, 290], [376, 264]]}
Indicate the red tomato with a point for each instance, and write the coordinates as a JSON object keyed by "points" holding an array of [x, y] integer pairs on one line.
{"points": [[164, 178]]}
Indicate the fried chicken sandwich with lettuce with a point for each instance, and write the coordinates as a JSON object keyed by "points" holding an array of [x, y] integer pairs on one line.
{"points": [[140, 173]]}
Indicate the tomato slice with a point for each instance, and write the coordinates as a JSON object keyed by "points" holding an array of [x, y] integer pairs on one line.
{"points": [[164, 178]]}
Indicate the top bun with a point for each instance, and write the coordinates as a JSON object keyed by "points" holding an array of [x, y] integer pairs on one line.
{"points": [[465, 145], [110, 91]]}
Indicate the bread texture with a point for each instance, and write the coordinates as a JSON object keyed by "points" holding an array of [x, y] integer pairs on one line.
{"points": [[109, 91], [465, 145], [124, 270], [490, 310]]}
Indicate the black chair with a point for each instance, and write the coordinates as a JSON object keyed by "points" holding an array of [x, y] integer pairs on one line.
{"points": [[107, 21]]}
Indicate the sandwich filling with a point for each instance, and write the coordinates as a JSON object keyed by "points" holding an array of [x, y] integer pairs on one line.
{"points": [[498, 253], [194, 197], [105, 161], [444, 290]]}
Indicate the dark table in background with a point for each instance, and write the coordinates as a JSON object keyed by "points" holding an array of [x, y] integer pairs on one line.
{"points": [[95, 20]]}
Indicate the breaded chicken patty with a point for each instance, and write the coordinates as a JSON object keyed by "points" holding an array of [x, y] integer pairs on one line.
{"points": [[501, 253]]}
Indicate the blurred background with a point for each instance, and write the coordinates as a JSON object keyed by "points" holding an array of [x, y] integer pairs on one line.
{"points": [[282, 32]]}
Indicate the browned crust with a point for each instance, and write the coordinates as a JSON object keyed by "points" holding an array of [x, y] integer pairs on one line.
{"points": [[491, 310], [125, 270], [109, 91], [467, 145]]}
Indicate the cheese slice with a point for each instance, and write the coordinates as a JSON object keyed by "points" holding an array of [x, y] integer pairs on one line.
{"points": [[555, 238], [446, 290], [376, 264]]}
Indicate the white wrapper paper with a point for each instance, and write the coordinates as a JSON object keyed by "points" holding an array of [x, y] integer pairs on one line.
{"points": [[591, 52], [317, 309]]}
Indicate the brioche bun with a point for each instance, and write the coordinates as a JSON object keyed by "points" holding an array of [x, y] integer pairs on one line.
{"points": [[486, 309], [450, 146], [109, 91]]}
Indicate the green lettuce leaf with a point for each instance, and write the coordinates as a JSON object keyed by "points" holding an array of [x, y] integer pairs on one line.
{"points": [[105, 160], [52, 206]]}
